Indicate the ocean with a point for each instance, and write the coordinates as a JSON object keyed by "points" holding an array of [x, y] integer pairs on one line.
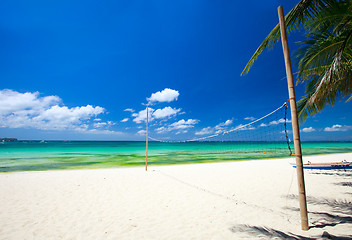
{"points": [[55, 155]]}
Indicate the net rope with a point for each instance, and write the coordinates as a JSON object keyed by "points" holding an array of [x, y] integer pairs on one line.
{"points": [[284, 105], [264, 137]]}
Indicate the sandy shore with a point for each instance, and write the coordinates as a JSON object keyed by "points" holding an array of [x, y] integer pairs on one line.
{"points": [[235, 200]]}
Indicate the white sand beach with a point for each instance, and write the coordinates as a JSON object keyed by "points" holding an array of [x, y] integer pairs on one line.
{"points": [[232, 200]]}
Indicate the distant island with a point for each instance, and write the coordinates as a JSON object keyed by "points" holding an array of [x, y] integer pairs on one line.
{"points": [[8, 139]]}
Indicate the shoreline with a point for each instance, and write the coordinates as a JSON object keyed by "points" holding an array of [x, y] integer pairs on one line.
{"points": [[223, 200], [151, 164]]}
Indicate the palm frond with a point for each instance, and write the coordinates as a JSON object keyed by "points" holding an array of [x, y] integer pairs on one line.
{"points": [[299, 16], [318, 52], [326, 89], [325, 63], [338, 15], [325, 57]]}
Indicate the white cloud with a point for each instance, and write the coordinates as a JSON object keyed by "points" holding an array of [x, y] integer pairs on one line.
{"points": [[12, 101], [30, 110], [205, 131], [309, 129], [220, 126], [103, 124], [142, 132], [250, 118], [288, 132], [99, 131], [228, 122], [124, 120], [244, 127], [99, 124], [277, 122], [165, 112], [161, 130], [97, 120], [129, 110], [338, 128], [166, 95], [182, 131], [180, 126], [65, 114], [141, 116]]}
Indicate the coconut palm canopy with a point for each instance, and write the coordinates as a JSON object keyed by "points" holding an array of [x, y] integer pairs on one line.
{"points": [[325, 58]]}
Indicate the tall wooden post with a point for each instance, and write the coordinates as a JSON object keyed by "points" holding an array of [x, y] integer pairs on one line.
{"points": [[295, 126], [146, 143]]}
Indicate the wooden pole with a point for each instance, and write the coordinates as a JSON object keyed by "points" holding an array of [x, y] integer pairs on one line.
{"points": [[295, 126], [146, 143]]}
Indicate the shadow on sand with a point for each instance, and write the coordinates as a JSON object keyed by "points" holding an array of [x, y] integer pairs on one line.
{"points": [[338, 206], [269, 233], [342, 173], [341, 212], [345, 184]]}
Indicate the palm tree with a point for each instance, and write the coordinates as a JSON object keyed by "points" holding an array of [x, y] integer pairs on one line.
{"points": [[325, 59]]}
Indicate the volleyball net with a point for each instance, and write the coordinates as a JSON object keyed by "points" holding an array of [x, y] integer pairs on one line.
{"points": [[267, 136]]}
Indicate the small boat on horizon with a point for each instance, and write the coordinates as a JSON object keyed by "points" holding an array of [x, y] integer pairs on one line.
{"points": [[333, 165]]}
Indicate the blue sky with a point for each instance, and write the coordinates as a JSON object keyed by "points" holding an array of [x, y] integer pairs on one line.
{"points": [[70, 69]]}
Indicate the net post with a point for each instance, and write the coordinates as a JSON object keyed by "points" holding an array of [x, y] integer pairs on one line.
{"points": [[295, 126], [146, 143]]}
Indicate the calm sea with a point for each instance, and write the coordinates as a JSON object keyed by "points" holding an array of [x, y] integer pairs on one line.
{"points": [[51, 155]]}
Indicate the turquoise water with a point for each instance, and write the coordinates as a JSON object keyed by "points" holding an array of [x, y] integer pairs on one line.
{"points": [[36, 156]]}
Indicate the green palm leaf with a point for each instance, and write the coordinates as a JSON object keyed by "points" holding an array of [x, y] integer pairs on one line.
{"points": [[325, 57], [299, 16]]}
